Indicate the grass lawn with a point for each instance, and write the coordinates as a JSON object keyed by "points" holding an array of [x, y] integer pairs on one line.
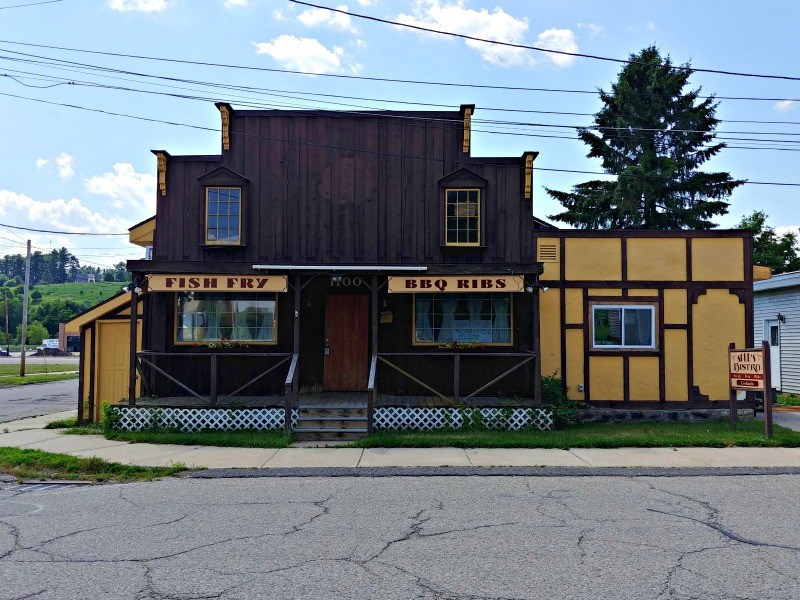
{"points": [[247, 438], [30, 369], [36, 464], [713, 434], [29, 379]]}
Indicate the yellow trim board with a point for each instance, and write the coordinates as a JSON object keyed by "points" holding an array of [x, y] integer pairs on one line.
{"points": [[112, 304], [142, 234]]}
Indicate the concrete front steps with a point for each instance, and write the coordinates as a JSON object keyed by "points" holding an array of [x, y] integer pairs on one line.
{"points": [[326, 423]]}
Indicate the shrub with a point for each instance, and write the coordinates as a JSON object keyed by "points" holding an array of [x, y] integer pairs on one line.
{"points": [[554, 396]]}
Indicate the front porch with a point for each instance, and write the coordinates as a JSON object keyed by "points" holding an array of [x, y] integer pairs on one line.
{"points": [[333, 400]]}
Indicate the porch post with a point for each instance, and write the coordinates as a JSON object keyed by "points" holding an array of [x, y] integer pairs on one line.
{"points": [[537, 347], [291, 400], [134, 318], [374, 394]]}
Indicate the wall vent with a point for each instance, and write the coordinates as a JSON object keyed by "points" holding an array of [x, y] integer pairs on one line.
{"points": [[548, 253]]}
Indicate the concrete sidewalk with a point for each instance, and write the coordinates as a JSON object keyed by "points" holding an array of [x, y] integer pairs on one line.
{"points": [[29, 433]]}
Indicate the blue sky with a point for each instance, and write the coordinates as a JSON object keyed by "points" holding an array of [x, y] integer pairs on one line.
{"points": [[68, 169]]}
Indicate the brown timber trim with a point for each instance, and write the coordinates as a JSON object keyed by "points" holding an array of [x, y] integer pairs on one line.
{"points": [[690, 300], [587, 344], [658, 405], [662, 353], [645, 284], [574, 326], [675, 326], [562, 309], [624, 352], [649, 233]]}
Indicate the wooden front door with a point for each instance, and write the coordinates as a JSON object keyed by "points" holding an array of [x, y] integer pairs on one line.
{"points": [[346, 358], [113, 362]]}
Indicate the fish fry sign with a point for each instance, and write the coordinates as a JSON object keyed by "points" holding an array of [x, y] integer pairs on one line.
{"points": [[747, 369]]}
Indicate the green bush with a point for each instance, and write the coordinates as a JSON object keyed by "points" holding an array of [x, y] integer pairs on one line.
{"points": [[554, 396]]}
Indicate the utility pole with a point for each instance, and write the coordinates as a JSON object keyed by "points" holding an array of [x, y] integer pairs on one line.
{"points": [[25, 311], [5, 298]]}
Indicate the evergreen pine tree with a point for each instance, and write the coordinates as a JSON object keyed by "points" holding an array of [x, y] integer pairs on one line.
{"points": [[653, 135]]}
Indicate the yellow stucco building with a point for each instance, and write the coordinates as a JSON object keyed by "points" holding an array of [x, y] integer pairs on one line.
{"points": [[644, 318]]}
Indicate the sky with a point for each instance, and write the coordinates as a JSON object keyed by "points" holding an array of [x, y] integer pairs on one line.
{"points": [[78, 126]]}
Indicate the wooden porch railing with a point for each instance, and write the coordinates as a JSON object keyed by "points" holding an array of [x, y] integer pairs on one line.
{"points": [[147, 358], [456, 356]]}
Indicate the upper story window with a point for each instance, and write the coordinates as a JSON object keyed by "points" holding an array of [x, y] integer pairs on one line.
{"points": [[626, 326], [224, 215], [463, 217]]}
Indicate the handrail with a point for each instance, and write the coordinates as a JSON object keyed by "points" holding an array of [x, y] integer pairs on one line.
{"points": [[292, 369], [288, 395], [372, 392], [373, 369]]}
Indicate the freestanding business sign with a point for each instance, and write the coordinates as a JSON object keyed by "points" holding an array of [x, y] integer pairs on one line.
{"points": [[749, 369]]}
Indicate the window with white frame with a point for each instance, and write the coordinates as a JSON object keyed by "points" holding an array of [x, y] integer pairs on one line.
{"points": [[209, 317], [477, 318], [623, 326]]}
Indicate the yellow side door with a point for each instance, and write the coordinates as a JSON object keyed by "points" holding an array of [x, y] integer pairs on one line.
{"points": [[113, 362]]}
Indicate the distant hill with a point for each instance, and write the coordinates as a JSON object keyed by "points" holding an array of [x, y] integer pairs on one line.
{"points": [[85, 294]]}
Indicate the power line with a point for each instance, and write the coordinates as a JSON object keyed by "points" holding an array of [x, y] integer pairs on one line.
{"points": [[57, 232], [307, 143], [546, 50], [724, 135], [342, 76], [30, 4]]}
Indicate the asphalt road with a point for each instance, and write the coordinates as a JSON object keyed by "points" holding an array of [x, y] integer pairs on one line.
{"points": [[454, 538], [37, 399]]}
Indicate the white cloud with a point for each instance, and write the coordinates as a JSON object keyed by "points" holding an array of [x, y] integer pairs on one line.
{"points": [[593, 28], [314, 17], [367, 2], [126, 187], [278, 15], [139, 5], [63, 215], [497, 25], [558, 39], [651, 26], [65, 162], [784, 229], [785, 105], [303, 54], [41, 162], [232, 3]]}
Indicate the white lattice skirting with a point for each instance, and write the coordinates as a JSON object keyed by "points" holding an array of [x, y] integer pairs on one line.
{"points": [[137, 418], [439, 418]]}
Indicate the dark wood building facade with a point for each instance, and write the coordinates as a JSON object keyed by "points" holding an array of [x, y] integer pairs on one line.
{"points": [[336, 251]]}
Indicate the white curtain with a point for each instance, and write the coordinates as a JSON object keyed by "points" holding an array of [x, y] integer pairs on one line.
{"points": [[240, 329], [423, 325], [501, 328], [212, 318], [266, 332], [448, 317]]}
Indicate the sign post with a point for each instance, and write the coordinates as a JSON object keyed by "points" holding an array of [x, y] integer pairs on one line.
{"points": [[749, 369]]}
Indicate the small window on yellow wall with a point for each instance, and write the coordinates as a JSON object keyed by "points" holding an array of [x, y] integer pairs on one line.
{"points": [[624, 327], [223, 215], [462, 222]]}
